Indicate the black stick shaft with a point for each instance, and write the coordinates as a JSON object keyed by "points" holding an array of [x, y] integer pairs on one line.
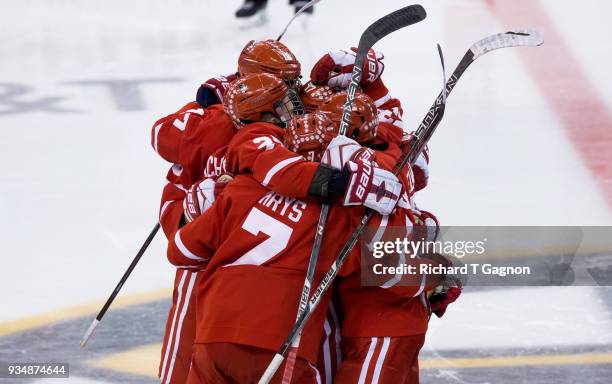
{"points": [[128, 272]]}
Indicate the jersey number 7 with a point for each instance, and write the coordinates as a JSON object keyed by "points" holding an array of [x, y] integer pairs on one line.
{"points": [[279, 233]]}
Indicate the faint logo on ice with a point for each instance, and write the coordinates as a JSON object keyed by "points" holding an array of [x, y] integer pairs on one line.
{"points": [[127, 95]]}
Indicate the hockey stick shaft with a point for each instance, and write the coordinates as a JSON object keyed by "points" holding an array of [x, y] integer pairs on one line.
{"points": [[425, 130], [124, 278], [401, 18], [311, 3], [312, 266], [392, 22]]}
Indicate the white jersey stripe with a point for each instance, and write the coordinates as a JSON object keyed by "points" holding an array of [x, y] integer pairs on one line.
{"points": [[327, 353], [316, 372], [337, 334], [380, 101], [366, 363], [155, 134], [163, 208], [174, 320], [380, 231], [181, 187], [381, 359], [179, 244], [177, 336], [280, 165]]}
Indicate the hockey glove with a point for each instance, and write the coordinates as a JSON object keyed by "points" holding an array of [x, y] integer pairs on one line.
{"points": [[335, 68], [213, 90], [372, 187], [440, 300], [201, 196], [339, 151]]}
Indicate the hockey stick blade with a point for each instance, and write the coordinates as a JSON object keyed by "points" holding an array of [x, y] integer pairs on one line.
{"points": [[516, 38], [399, 19]]}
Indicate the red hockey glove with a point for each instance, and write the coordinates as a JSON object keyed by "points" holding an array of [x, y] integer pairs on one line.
{"points": [[202, 195], [440, 300], [334, 68]]}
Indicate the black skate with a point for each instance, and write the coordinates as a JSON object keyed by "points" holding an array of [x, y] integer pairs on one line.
{"points": [[298, 4], [251, 8]]}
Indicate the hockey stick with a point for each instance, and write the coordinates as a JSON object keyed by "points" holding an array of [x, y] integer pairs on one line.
{"points": [[424, 132], [302, 10], [375, 32], [125, 276], [518, 38]]}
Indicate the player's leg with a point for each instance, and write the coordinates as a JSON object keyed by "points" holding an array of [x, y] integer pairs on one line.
{"points": [[330, 354], [251, 7], [298, 4], [381, 360], [222, 363], [180, 330], [204, 368]]}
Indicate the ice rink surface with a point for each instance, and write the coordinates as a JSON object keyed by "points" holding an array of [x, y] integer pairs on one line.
{"points": [[526, 140]]}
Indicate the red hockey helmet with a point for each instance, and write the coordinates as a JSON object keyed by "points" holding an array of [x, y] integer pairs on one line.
{"points": [[314, 96], [269, 56], [257, 97], [364, 116]]}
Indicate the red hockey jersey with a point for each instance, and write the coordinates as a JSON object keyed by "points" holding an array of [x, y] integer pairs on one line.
{"points": [[257, 244], [189, 136]]}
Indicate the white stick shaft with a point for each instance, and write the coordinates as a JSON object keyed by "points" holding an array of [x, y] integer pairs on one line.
{"points": [[272, 368], [90, 330]]}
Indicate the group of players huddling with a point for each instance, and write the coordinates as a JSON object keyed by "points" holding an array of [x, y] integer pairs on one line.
{"points": [[254, 157]]}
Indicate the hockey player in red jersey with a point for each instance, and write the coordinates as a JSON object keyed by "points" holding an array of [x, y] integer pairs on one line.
{"points": [[187, 138], [193, 139]]}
